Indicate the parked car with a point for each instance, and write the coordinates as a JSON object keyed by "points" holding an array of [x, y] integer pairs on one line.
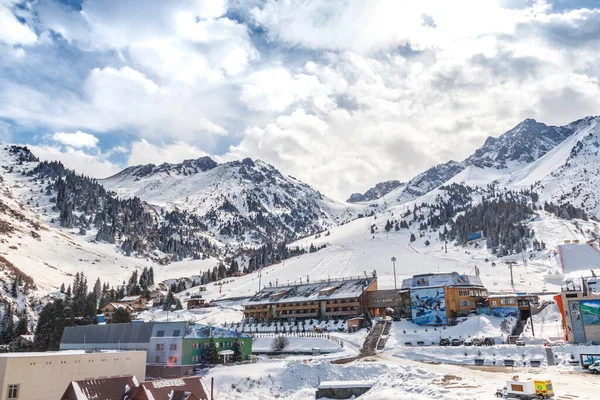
{"points": [[520, 342], [457, 342], [595, 367], [444, 342], [488, 341], [477, 341], [468, 342]]}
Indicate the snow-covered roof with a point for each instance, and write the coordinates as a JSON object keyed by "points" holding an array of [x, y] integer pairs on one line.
{"points": [[345, 384], [130, 298], [197, 331], [340, 289], [503, 296], [439, 280], [59, 353], [119, 305], [578, 256]]}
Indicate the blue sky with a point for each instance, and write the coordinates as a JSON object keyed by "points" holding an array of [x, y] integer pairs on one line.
{"points": [[341, 94]]}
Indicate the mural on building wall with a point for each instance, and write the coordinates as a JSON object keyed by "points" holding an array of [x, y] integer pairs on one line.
{"points": [[500, 312], [428, 306], [590, 311]]}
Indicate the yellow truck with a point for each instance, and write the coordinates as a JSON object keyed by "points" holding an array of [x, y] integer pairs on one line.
{"points": [[526, 390]]}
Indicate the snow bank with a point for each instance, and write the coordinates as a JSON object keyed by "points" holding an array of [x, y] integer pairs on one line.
{"points": [[474, 326]]}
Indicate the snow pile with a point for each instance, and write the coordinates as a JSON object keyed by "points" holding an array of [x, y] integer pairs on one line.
{"points": [[474, 326]]}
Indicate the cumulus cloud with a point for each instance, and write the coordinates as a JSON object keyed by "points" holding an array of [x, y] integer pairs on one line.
{"points": [[12, 31], [339, 94], [96, 165], [78, 139], [144, 152]]}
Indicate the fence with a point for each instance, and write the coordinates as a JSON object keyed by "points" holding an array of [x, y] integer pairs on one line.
{"points": [[333, 339]]}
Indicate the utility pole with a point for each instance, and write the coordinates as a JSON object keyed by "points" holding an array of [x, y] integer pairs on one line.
{"points": [[394, 264], [445, 246], [531, 316], [510, 266], [259, 279]]}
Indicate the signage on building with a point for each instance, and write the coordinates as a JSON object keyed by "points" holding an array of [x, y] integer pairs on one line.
{"points": [[168, 383], [441, 280]]}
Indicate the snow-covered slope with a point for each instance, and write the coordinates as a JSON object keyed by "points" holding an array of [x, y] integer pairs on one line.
{"points": [[31, 244], [242, 202]]}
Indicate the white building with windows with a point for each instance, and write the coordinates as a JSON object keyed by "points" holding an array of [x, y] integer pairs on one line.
{"points": [[45, 375]]}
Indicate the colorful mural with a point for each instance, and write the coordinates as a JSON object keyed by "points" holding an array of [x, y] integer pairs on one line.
{"points": [[428, 306], [500, 312], [590, 311]]}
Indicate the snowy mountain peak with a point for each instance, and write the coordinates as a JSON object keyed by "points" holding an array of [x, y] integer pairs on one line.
{"points": [[380, 190], [186, 167], [524, 143]]}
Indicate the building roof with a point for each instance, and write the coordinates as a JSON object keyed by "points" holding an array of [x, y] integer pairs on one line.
{"points": [[133, 332], [503, 296], [325, 290], [117, 388], [61, 353], [441, 279], [173, 389], [130, 298], [118, 305], [345, 384], [578, 256], [198, 331], [111, 333]]}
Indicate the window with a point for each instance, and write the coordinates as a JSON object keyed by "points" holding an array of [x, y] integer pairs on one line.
{"points": [[173, 347], [494, 303], [160, 333], [160, 346], [157, 359], [176, 332], [173, 359], [13, 391]]}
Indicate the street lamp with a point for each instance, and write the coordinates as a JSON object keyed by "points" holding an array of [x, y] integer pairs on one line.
{"points": [[394, 264]]}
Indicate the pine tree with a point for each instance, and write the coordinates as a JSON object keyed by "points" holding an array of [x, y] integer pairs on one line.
{"points": [[8, 324], [169, 300], [98, 288], [412, 237], [22, 326], [238, 351], [211, 353], [62, 287], [120, 316], [178, 305], [51, 323], [151, 277]]}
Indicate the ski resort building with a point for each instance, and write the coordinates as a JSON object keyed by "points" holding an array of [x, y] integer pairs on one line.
{"points": [[580, 310], [138, 303], [172, 348], [45, 375], [438, 299], [323, 300], [109, 309]]}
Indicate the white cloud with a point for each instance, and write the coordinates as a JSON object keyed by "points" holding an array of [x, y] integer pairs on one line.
{"points": [[12, 31], [95, 165], [339, 94], [144, 152], [78, 139]]}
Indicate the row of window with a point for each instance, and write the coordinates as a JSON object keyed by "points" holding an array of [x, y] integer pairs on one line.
{"points": [[176, 333], [172, 360], [161, 347], [219, 345], [472, 292]]}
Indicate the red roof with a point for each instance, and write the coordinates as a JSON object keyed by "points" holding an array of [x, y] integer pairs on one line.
{"points": [[172, 389], [115, 388]]}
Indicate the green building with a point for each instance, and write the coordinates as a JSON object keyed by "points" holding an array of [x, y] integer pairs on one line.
{"points": [[198, 336]]}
